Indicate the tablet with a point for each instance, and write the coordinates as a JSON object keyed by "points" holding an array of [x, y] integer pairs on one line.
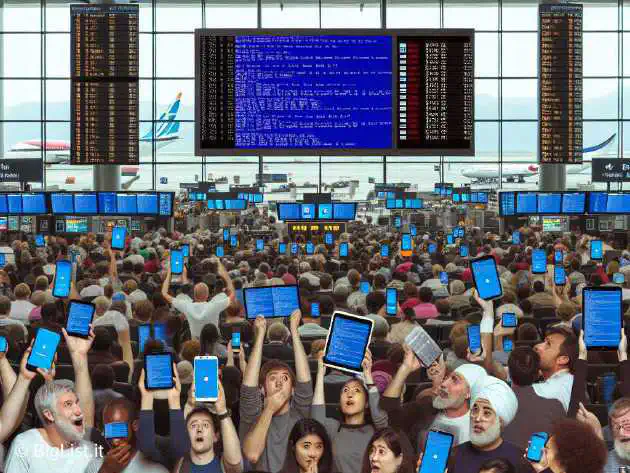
{"points": [[80, 315], [348, 339], [425, 348], [271, 301], [602, 317], [158, 369], [486, 277], [539, 261]]}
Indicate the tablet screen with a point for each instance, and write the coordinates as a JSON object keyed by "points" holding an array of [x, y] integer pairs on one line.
{"points": [[79, 318], [486, 278], [348, 339], [539, 261], [274, 301], [159, 371], [602, 317]]}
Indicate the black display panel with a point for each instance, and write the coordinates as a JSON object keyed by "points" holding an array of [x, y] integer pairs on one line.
{"points": [[104, 85], [560, 83], [334, 92]]}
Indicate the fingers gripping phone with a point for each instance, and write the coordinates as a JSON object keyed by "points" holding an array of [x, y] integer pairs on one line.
{"points": [[236, 342], [206, 378], [474, 339], [391, 301], [536, 447], [436, 452], [44, 349]]}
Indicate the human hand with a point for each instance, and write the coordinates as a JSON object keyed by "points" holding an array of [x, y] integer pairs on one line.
{"points": [[410, 362], [437, 371], [294, 320], [260, 327], [622, 350], [220, 403], [277, 399], [117, 459], [144, 392], [366, 364], [587, 417], [78, 346], [582, 350]]}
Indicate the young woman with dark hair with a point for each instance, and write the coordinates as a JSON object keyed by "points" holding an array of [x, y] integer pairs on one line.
{"points": [[309, 449], [389, 451]]}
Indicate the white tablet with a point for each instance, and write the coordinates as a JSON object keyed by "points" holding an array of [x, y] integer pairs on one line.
{"points": [[348, 340]]}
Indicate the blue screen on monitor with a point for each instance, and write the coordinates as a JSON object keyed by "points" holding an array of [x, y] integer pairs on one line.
{"points": [[85, 204], [526, 203], [62, 203], [325, 211], [107, 203], [506, 203], [288, 211], [483, 197], [34, 203], [15, 203], [618, 203], [235, 204], [549, 203], [4, 207], [456, 197], [147, 204], [390, 203], [597, 202], [307, 211], [573, 202], [166, 204], [127, 204], [344, 211]]}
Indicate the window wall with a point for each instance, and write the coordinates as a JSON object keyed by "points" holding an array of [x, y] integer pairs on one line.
{"points": [[35, 87]]}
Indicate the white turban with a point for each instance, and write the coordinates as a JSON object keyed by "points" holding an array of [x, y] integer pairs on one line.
{"points": [[472, 374], [500, 396]]}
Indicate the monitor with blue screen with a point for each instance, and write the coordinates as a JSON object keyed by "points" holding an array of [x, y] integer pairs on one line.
{"points": [[347, 341], [618, 203], [85, 204], [61, 203], [107, 203], [526, 203], [344, 211], [166, 204], [307, 211], [34, 204], [15, 203], [507, 204], [127, 204], [549, 203], [289, 211], [602, 317], [271, 301], [147, 204], [573, 202], [325, 211]]}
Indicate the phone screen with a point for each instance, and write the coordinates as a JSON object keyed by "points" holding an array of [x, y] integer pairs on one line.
{"points": [[3, 344], [391, 301], [539, 261], [219, 252], [559, 275], [412, 230], [282, 248], [177, 261], [159, 332], [516, 238], [406, 242], [159, 371], [315, 309], [449, 239], [365, 287], [397, 222], [63, 278], [310, 248], [294, 248], [436, 452], [116, 430], [226, 234], [39, 241], [343, 250], [444, 277], [206, 378], [508, 319], [186, 250], [536, 446], [385, 251], [474, 338], [3, 260], [619, 278], [44, 349], [234, 241], [79, 318], [236, 340], [144, 333], [119, 234], [558, 257], [486, 278], [463, 251], [328, 239], [508, 345], [596, 250]]}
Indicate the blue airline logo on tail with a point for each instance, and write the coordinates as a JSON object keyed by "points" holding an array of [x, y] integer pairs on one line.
{"points": [[166, 128]]}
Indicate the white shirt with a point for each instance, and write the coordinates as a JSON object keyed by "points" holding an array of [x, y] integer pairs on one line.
{"points": [[112, 317], [6, 321], [202, 313], [138, 464], [31, 453], [20, 310], [557, 386], [458, 426]]}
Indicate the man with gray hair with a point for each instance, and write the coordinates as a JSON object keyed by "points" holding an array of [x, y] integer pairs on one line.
{"points": [[66, 412], [619, 416]]}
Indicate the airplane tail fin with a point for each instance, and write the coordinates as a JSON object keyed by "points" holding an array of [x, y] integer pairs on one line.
{"points": [[601, 145], [166, 125]]}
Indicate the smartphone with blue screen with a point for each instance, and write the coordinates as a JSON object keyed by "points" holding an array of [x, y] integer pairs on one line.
{"points": [[144, 333], [80, 316], [158, 371], [365, 287], [310, 248], [516, 238], [329, 239], [282, 248], [206, 369], [177, 261], [508, 345], [474, 338], [63, 278], [119, 235], [226, 234], [315, 309], [116, 430], [397, 222], [219, 252], [234, 241], [558, 257], [343, 250], [444, 277], [608, 384], [508, 320], [385, 251], [536, 447], [3, 260], [405, 242], [486, 278], [619, 278], [412, 230], [260, 245], [40, 242], [597, 252], [186, 250], [449, 239], [432, 248], [463, 251], [391, 301], [437, 449], [159, 332], [4, 346], [539, 261], [236, 342], [44, 349], [559, 275], [294, 248]]}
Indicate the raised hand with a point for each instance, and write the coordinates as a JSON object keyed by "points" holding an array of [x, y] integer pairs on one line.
{"points": [[77, 345], [294, 320], [277, 400], [366, 364], [260, 327], [622, 350], [410, 362]]}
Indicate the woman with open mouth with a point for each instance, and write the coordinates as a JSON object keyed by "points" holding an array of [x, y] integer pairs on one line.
{"points": [[388, 451]]}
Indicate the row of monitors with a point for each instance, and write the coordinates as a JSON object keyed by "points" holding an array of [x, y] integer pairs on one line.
{"points": [[404, 203], [14, 223], [227, 204], [569, 203], [87, 203], [470, 197], [254, 198], [325, 211]]}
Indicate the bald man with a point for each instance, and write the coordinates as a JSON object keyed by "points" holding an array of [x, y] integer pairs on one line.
{"points": [[201, 311]]}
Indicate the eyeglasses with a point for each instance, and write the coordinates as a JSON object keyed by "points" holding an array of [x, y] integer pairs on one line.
{"points": [[202, 425]]}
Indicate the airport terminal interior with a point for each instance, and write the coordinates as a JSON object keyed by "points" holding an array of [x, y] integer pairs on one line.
{"points": [[314, 236]]}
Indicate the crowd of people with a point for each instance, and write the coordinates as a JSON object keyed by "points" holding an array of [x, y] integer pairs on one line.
{"points": [[279, 407]]}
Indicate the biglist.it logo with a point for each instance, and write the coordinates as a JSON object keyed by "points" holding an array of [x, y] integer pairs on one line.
{"points": [[609, 167], [87, 450]]}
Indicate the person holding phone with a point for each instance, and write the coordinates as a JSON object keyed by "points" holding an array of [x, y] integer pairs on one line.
{"points": [[283, 394], [351, 436], [309, 449]]}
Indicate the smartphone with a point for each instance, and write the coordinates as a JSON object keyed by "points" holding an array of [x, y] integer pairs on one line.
{"points": [[463, 251], [449, 239], [159, 332], [329, 239], [3, 344], [385, 251], [282, 248], [432, 248], [186, 250], [536, 447], [260, 245], [236, 342], [619, 278], [219, 252], [44, 349], [437, 450], [397, 222], [206, 378], [412, 230], [343, 250], [177, 261], [539, 261], [310, 248], [294, 248], [365, 287], [597, 252], [405, 244], [558, 257], [226, 234], [158, 369], [315, 309], [559, 275], [508, 345], [391, 301], [234, 241], [508, 320], [474, 338], [119, 235], [80, 315], [144, 333], [486, 278], [516, 238], [63, 278], [116, 430], [444, 277], [40, 241]]}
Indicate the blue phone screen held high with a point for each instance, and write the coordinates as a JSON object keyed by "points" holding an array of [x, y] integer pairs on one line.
{"points": [[275, 301], [536, 448], [558, 257], [412, 230], [516, 238], [596, 249], [385, 251], [474, 338], [406, 242], [186, 250], [436, 452], [116, 430], [391, 301], [159, 372], [159, 332], [260, 245], [315, 309], [144, 333], [365, 287], [219, 252], [177, 261], [234, 241], [44, 349], [39, 241], [119, 234], [449, 239], [236, 339], [226, 234], [348, 340], [463, 251], [79, 318], [397, 222], [508, 345], [559, 275], [432, 248], [619, 278], [539, 261], [310, 248], [63, 278], [343, 250], [486, 278], [508, 319], [602, 317], [329, 239], [444, 277], [206, 378], [3, 344], [282, 248], [294, 248]]}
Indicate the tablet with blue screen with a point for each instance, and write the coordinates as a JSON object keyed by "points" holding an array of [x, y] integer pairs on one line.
{"points": [[348, 339], [271, 301], [602, 317]]}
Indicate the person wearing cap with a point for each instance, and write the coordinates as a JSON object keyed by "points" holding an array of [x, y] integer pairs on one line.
{"points": [[494, 405]]}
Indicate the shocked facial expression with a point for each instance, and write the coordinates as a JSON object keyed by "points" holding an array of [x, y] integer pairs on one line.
{"points": [[353, 399], [308, 451]]}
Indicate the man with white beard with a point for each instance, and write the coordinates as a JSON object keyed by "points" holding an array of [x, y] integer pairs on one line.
{"points": [[619, 415], [494, 405]]}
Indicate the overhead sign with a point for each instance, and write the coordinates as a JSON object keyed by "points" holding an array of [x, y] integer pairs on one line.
{"points": [[607, 170], [311, 229], [21, 170]]}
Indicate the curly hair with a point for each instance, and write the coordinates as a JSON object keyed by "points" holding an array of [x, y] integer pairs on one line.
{"points": [[578, 448]]}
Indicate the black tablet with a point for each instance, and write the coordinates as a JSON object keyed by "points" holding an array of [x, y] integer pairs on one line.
{"points": [[158, 371], [348, 339], [602, 317], [271, 301]]}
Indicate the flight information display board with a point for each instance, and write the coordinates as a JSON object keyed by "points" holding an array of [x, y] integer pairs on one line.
{"points": [[560, 133], [334, 92], [104, 85]]}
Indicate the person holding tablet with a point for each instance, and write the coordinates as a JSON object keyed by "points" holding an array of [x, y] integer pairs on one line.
{"points": [[266, 421], [360, 416]]}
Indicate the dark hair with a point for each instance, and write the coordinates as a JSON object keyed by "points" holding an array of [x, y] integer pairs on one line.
{"points": [[102, 339], [398, 443], [539, 286], [301, 429], [527, 332], [497, 465], [425, 294], [218, 445], [578, 448], [122, 404], [326, 304], [103, 376], [524, 364], [367, 412], [208, 338], [569, 346], [374, 301]]}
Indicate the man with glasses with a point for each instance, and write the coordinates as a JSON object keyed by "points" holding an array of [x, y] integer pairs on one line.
{"points": [[619, 416]]}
